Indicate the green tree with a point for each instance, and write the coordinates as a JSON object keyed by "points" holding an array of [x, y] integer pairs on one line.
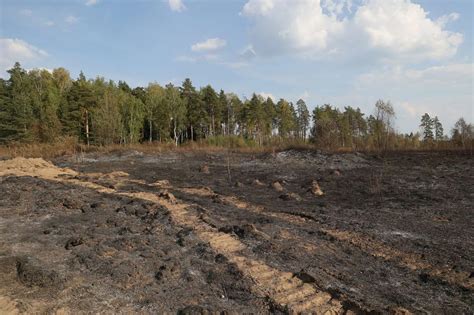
{"points": [[212, 106], [438, 129], [462, 133], [106, 118], [153, 101], [231, 112], [76, 117], [177, 111], [325, 131], [381, 125], [286, 118], [427, 127], [196, 115], [270, 117], [17, 116], [46, 99], [302, 120]]}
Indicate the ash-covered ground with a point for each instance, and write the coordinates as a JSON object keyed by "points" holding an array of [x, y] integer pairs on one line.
{"points": [[212, 233]]}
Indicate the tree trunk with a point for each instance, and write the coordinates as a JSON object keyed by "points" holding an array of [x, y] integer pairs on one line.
{"points": [[213, 126], [87, 126], [150, 136], [192, 133], [174, 132]]}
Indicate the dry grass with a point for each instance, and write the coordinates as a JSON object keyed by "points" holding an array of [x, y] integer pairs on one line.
{"points": [[71, 147]]}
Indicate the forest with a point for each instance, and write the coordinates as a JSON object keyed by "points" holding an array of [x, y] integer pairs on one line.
{"points": [[41, 106]]}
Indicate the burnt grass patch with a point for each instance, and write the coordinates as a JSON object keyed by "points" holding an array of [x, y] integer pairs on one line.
{"points": [[390, 233]]}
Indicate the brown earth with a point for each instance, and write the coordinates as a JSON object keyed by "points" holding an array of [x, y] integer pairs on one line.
{"points": [[140, 233]]}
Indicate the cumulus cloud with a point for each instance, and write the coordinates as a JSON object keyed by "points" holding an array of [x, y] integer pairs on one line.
{"points": [[209, 44], [445, 19], [176, 5], [291, 26], [400, 27], [258, 7], [315, 28], [91, 2], [18, 50]]}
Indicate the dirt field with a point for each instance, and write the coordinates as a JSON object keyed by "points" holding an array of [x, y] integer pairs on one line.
{"points": [[223, 233]]}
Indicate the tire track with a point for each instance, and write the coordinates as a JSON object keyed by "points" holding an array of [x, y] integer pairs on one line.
{"points": [[285, 291], [370, 246]]}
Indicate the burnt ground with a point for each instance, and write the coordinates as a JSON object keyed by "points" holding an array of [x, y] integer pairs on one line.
{"points": [[246, 234]]}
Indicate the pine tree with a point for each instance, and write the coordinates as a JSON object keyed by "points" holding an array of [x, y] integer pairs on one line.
{"points": [[76, 117], [427, 127], [438, 129], [302, 118], [269, 109], [213, 110], [286, 118], [196, 116], [17, 116]]}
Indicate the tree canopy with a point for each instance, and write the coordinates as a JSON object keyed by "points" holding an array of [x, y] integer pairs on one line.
{"points": [[40, 106]]}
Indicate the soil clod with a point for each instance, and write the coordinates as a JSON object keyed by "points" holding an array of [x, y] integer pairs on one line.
{"points": [[277, 186], [315, 189], [291, 196]]}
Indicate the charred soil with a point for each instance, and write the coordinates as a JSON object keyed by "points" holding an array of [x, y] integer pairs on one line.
{"points": [[142, 233]]}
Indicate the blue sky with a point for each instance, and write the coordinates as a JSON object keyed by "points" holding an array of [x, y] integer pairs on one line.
{"points": [[417, 54]]}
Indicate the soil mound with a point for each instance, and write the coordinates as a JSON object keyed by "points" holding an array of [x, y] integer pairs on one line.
{"points": [[315, 189], [277, 186], [30, 167]]}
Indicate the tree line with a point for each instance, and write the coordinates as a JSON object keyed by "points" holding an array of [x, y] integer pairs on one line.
{"points": [[42, 106]]}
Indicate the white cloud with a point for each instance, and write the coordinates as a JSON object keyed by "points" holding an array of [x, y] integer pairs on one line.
{"points": [[41, 69], [71, 19], [445, 19], [413, 110], [291, 26], [403, 28], [176, 5], [267, 95], [258, 7], [49, 23], [457, 75], [209, 44], [248, 53], [304, 96], [18, 50], [445, 91], [91, 2], [315, 28]]}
